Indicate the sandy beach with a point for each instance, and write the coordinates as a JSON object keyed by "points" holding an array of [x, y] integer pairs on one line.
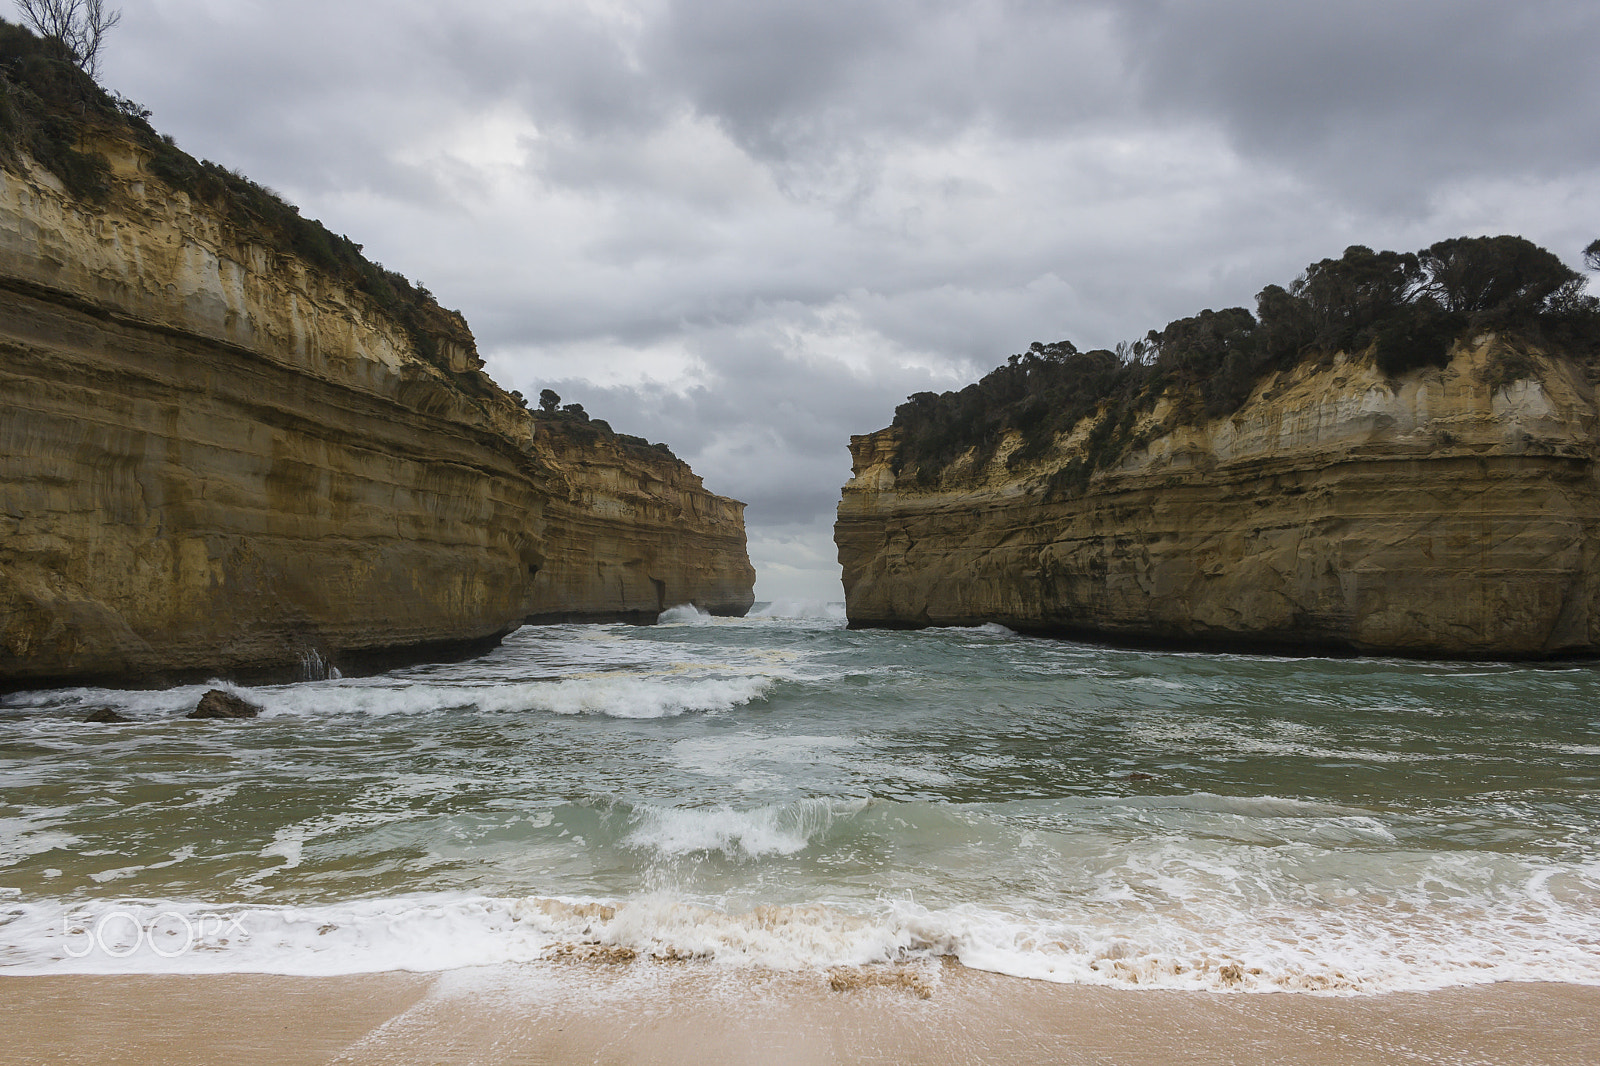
{"points": [[681, 1014]]}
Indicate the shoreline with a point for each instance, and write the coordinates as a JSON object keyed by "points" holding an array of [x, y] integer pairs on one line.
{"points": [[669, 1014], [1227, 645]]}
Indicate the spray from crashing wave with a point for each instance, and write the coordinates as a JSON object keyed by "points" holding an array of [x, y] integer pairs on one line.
{"points": [[315, 667], [685, 614]]}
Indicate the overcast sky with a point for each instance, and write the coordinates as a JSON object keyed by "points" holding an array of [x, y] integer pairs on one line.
{"points": [[751, 229]]}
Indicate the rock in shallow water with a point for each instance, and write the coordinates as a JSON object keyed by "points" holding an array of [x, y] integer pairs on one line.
{"points": [[106, 714], [219, 704]]}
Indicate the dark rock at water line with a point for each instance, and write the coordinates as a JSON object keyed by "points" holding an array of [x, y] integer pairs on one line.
{"points": [[106, 714], [219, 704]]}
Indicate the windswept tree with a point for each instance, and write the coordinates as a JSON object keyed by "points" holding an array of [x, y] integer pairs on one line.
{"points": [[80, 26], [1346, 296], [1285, 327], [549, 400], [1507, 275], [1407, 311]]}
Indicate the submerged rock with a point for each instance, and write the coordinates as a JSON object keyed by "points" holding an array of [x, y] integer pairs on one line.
{"points": [[106, 714], [219, 704]]}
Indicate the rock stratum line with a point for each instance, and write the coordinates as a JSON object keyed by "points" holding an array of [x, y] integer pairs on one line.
{"points": [[1432, 514], [216, 459]]}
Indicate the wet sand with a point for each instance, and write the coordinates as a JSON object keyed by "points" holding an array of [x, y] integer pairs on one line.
{"points": [[680, 1014]]}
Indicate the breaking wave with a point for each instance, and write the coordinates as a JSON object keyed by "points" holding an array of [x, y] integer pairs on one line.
{"points": [[1344, 952]]}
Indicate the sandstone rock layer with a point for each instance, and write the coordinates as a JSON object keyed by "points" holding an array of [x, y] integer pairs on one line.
{"points": [[1437, 515], [216, 460], [637, 533]]}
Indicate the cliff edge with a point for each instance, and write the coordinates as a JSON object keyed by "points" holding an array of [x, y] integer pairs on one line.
{"points": [[638, 533], [1445, 509], [230, 445]]}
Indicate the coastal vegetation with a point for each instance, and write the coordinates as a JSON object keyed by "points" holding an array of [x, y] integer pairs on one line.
{"points": [[576, 423], [79, 26], [1402, 310], [53, 110]]}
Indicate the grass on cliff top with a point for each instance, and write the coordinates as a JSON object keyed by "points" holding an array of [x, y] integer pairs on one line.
{"points": [[1405, 311]]}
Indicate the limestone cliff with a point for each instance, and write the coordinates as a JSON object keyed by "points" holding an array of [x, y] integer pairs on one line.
{"points": [[1442, 512], [217, 458], [638, 533]]}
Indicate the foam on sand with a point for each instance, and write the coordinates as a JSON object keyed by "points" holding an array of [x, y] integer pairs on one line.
{"points": [[1351, 949]]}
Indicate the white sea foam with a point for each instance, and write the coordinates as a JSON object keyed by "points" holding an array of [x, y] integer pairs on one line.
{"points": [[632, 698], [137, 705], [209, 797], [22, 837], [616, 695], [627, 690], [174, 936], [1002, 834], [987, 629], [758, 758], [1532, 936], [1172, 910], [287, 844], [683, 614], [779, 829], [182, 854]]}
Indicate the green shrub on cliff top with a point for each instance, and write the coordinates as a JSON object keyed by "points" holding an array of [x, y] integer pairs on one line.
{"points": [[50, 109], [43, 98], [573, 422], [1407, 310]]}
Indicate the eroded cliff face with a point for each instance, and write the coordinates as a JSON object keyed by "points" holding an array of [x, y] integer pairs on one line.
{"points": [[633, 532], [1436, 515], [214, 459]]}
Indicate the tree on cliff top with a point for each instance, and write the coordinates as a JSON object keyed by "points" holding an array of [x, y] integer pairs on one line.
{"points": [[1405, 311], [80, 26], [1495, 274]]}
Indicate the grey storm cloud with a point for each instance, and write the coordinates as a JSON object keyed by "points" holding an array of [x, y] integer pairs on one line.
{"points": [[1410, 91], [822, 76], [751, 229]]}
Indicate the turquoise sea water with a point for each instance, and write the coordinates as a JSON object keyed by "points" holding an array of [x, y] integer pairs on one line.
{"points": [[784, 792]]}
